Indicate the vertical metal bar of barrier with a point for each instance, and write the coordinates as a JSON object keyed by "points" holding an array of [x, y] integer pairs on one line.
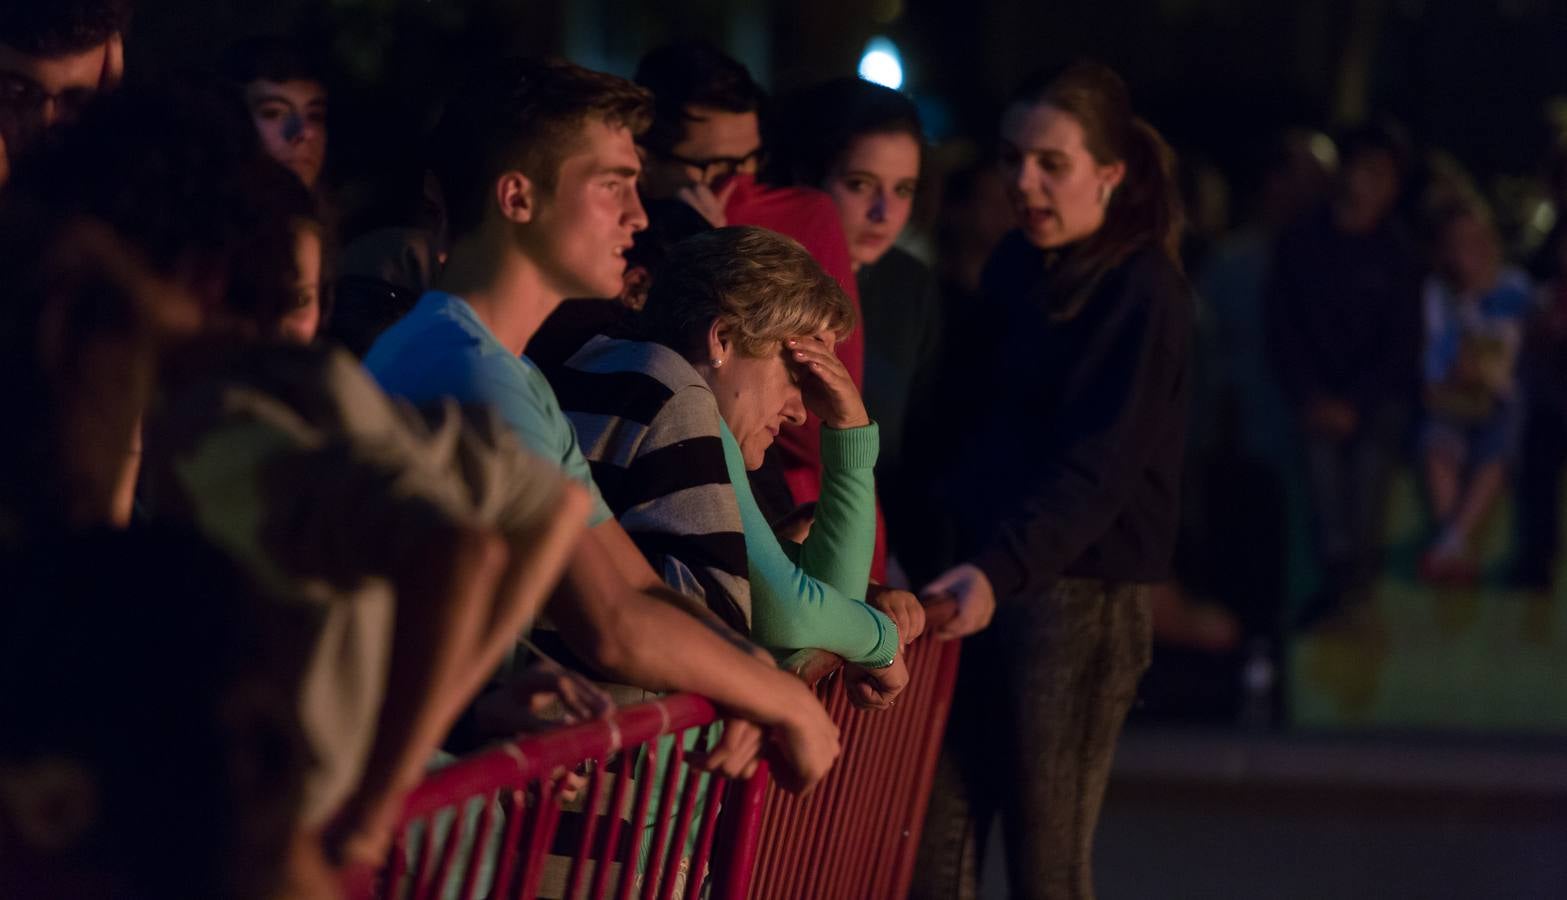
{"points": [[512, 809], [704, 842], [611, 850], [666, 802], [454, 839], [470, 881], [548, 817], [421, 863], [590, 823], [628, 865], [735, 851], [677, 846]]}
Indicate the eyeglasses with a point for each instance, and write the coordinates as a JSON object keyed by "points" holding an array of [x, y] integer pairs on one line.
{"points": [[719, 168], [25, 107]]}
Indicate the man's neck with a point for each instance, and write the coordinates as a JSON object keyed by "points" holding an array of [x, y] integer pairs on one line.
{"points": [[507, 292]]}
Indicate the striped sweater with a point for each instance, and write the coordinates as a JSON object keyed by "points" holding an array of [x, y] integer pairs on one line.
{"points": [[650, 429], [648, 425]]}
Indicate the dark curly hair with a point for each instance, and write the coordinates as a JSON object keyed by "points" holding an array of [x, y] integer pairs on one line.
{"points": [[60, 27]]}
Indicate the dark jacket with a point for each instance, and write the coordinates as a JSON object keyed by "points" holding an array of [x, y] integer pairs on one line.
{"points": [[1072, 462], [1343, 316]]}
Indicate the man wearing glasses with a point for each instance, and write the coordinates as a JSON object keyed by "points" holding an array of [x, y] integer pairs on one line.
{"points": [[706, 127], [705, 148], [54, 58]]}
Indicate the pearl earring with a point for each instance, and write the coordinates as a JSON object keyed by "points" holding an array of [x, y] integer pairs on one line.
{"points": [[1104, 193], [716, 361]]}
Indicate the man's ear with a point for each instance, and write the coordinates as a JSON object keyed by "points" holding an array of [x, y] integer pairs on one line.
{"points": [[113, 63], [515, 198]]}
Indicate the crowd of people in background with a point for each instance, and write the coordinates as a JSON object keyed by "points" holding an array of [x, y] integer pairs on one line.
{"points": [[636, 386], [1372, 317]]}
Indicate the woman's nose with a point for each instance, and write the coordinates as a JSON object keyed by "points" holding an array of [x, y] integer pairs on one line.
{"points": [[794, 407]]}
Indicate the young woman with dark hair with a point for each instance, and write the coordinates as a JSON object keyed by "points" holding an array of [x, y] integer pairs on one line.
{"points": [[1064, 495], [863, 144]]}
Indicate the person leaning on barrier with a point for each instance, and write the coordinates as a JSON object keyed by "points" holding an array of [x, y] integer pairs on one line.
{"points": [[740, 324], [538, 166], [122, 309]]}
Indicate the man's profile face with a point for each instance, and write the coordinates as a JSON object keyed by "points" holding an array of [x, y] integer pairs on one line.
{"points": [[583, 228], [39, 92], [291, 118], [715, 145]]}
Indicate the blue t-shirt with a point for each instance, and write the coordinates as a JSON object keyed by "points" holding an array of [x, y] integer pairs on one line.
{"points": [[1486, 331], [442, 349]]}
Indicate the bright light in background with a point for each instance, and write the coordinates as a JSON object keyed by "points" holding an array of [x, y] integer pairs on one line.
{"points": [[882, 64]]}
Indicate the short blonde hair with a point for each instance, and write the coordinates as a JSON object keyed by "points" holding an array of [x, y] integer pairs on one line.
{"points": [[765, 287]]}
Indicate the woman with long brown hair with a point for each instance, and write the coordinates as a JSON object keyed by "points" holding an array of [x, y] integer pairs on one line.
{"points": [[1064, 497]]}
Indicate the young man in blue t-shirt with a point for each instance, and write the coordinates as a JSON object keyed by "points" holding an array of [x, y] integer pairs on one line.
{"points": [[539, 169]]}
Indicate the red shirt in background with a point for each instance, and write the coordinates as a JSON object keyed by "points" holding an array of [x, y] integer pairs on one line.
{"points": [[809, 216]]}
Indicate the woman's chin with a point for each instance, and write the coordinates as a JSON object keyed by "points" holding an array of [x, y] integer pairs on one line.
{"points": [[754, 453]]}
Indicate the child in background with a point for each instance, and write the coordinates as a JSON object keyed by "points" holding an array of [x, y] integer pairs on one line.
{"points": [[1474, 310]]}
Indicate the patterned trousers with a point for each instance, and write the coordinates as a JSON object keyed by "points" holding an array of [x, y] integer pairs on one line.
{"points": [[1040, 700]]}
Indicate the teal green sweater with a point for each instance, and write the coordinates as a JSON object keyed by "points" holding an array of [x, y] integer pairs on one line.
{"points": [[813, 603]]}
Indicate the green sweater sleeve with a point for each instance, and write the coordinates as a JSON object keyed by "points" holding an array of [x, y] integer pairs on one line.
{"points": [[790, 610], [843, 537]]}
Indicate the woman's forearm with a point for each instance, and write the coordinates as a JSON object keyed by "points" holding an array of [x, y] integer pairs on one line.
{"points": [[842, 541]]}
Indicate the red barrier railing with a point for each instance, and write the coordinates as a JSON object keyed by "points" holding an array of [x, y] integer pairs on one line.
{"points": [[491, 825], [856, 835]]}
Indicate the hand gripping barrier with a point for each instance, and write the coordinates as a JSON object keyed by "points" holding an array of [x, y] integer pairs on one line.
{"points": [[492, 825]]}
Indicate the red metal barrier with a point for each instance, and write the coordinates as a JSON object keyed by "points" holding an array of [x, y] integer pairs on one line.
{"points": [[855, 837], [486, 826]]}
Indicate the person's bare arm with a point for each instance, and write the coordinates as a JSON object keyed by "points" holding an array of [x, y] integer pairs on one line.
{"points": [[628, 560], [462, 601], [443, 603], [639, 635], [535, 564]]}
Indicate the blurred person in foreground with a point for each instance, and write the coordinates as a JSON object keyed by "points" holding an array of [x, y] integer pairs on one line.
{"points": [[129, 312], [1066, 496]]}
